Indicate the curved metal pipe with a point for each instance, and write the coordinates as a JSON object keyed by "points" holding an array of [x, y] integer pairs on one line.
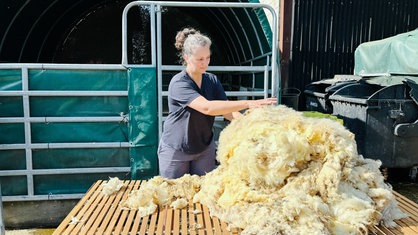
{"points": [[11, 23], [32, 28], [52, 27], [192, 4]]}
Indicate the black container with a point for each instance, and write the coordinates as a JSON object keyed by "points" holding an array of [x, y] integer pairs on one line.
{"points": [[383, 119], [317, 93]]}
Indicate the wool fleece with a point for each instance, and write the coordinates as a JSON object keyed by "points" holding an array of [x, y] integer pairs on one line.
{"points": [[282, 172]]}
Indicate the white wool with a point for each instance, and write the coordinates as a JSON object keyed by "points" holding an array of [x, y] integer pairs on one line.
{"points": [[390, 213], [179, 203], [75, 220], [354, 213], [283, 173], [160, 191], [112, 186], [141, 200]]}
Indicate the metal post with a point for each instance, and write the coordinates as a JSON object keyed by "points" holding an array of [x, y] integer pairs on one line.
{"points": [[2, 227]]}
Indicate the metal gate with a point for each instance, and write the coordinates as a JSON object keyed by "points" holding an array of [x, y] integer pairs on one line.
{"points": [[64, 126]]}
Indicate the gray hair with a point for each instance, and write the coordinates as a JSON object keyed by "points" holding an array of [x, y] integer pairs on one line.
{"points": [[195, 40], [187, 40]]}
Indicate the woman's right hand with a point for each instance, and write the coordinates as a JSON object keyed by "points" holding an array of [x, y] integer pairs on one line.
{"points": [[262, 102]]}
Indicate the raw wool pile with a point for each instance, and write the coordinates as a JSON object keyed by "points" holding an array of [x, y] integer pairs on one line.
{"points": [[160, 191], [283, 173]]}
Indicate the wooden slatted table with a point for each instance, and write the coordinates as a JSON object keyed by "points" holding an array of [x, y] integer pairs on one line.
{"points": [[97, 213]]}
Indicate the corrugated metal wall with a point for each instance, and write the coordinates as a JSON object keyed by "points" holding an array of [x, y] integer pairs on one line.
{"points": [[327, 32]]}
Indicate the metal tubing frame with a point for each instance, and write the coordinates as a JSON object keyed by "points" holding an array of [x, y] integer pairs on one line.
{"points": [[197, 4], [64, 93], [155, 7], [27, 120], [63, 119], [156, 60], [2, 227], [67, 145], [62, 66]]}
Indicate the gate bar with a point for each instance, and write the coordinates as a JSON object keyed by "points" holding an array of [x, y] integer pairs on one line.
{"points": [[205, 4]]}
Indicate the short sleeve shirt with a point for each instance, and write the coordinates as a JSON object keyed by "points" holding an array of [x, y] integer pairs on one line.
{"points": [[186, 129]]}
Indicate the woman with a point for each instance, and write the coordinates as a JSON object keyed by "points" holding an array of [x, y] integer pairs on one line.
{"points": [[195, 97]]}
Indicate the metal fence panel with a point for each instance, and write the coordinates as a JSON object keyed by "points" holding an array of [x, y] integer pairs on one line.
{"points": [[63, 128]]}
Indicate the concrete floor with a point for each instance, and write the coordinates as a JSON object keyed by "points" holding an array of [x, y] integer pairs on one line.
{"points": [[44, 231], [36, 214]]}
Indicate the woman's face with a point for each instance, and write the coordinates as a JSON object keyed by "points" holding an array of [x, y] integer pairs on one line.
{"points": [[199, 60]]}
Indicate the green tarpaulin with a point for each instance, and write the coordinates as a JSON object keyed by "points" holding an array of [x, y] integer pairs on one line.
{"points": [[393, 55]]}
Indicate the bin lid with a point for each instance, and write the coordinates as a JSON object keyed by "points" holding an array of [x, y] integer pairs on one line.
{"points": [[385, 81], [337, 79], [414, 90], [394, 55], [388, 80]]}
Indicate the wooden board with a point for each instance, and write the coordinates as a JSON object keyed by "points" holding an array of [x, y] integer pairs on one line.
{"points": [[97, 213]]}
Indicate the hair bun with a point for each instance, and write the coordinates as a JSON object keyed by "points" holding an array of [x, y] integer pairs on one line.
{"points": [[182, 35]]}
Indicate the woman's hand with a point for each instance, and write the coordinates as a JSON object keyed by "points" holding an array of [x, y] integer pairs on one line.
{"points": [[262, 102]]}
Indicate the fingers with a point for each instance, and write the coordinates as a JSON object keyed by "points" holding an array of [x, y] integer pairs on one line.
{"points": [[264, 102], [272, 100], [268, 101]]}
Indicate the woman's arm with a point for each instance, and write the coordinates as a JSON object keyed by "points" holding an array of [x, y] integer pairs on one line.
{"points": [[222, 107], [233, 115]]}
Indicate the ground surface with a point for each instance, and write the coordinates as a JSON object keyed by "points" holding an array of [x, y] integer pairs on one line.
{"points": [[48, 231]]}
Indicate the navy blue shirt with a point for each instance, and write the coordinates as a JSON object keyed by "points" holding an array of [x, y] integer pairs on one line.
{"points": [[186, 129]]}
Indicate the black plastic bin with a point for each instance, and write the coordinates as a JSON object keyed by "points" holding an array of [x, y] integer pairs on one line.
{"points": [[383, 119], [317, 93]]}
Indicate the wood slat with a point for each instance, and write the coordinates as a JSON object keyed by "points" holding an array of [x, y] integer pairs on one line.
{"points": [[116, 216], [208, 221], [184, 220], [169, 220], [83, 214], [216, 225], [153, 223], [199, 217], [105, 223], [137, 219], [94, 212], [131, 215], [161, 220], [101, 214], [192, 222], [177, 221], [137, 222], [64, 226]]}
